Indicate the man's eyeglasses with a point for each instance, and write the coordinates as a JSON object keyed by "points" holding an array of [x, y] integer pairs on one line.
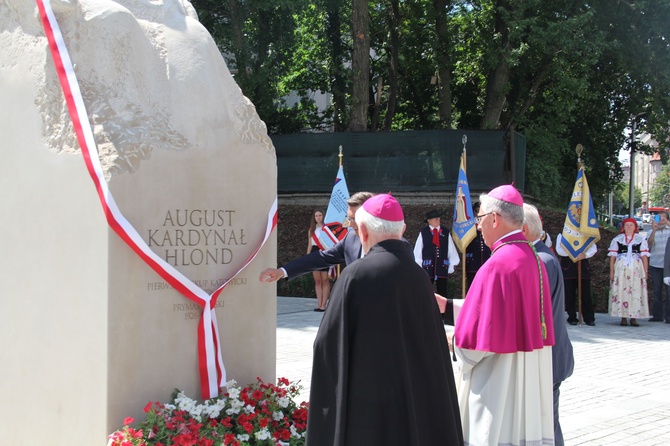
{"points": [[347, 222], [478, 219]]}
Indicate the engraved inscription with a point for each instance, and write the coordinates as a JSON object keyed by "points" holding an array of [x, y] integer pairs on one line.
{"points": [[193, 237], [192, 310], [208, 285]]}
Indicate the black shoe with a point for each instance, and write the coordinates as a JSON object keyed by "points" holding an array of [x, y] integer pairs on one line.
{"points": [[572, 322], [591, 323], [655, 319]]}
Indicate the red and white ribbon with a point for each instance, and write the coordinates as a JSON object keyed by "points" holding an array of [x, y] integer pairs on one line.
{"points": [[212, 370]]}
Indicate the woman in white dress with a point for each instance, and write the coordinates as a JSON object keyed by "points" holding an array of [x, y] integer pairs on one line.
{"points": [[321, 280], [629, 261]]}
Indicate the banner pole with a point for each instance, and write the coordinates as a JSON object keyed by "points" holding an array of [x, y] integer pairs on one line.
{"points": [[339, 266], [579, 149]]}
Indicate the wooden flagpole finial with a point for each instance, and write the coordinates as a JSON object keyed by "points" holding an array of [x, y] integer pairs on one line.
{"points": [[579, 150], [464, 139], [340, 155]]}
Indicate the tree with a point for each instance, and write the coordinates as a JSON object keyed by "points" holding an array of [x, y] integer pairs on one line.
{"points": [[360, 66], [443, 61], [659, 195], [563, 73], [621, 198], [258, 42]]}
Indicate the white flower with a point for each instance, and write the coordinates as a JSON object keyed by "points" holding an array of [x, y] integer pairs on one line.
{"points": [[233, 392], [249, 409], [213, 410], [243, 437], [263, 434], [235, 407], [278, 416], [283, 402], [295, 433]]}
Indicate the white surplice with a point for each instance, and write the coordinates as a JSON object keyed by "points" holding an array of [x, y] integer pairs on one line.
{"points": [[498, 398]]}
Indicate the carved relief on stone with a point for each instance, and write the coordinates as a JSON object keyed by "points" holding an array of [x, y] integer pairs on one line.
{"points": [[147, 75]]}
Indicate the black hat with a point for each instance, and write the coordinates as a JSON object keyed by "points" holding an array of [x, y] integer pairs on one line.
{"points": [[435, 213]]}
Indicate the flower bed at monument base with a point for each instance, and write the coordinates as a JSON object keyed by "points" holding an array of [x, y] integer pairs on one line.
{"points": [[260, 414]]}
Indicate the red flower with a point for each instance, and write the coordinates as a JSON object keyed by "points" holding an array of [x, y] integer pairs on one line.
{"points": [[226, 422], [248, 427], [257, 395], [229, 439], [184, 440], [128, 420], [283, 381]]}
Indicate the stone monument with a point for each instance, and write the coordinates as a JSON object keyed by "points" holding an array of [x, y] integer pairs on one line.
{"points": [[92, 329]]}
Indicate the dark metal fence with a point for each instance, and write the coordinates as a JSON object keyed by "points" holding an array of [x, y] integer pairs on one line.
{"points": [[409, 161]]}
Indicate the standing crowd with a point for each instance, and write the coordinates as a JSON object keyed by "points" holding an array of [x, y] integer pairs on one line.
{"points": [[382, 367]]}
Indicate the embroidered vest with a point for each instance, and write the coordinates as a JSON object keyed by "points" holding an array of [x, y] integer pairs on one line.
{"points": [[623, 248], [435, 260]]}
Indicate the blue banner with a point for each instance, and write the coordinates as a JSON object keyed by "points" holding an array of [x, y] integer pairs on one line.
{"points": [[463, 228], [333, 231], [580, 230]]}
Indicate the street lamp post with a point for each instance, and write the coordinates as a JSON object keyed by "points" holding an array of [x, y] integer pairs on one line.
{"points": [[633, 144]]}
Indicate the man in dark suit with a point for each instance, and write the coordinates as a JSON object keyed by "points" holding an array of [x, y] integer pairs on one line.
{"points": [[345, 251], [382, 372], [563, 361]]}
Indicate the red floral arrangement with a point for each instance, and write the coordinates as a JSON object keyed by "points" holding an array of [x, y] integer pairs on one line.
{"points": [[258, 415]]}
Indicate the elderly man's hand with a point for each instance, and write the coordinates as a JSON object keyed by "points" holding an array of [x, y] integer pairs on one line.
{"points": [[441, 302], [271, 275], [450, 341]]}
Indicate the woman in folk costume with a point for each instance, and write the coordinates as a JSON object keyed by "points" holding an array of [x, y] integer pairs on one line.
{"points": [[321, 281], [629, 262], [504, 333]]}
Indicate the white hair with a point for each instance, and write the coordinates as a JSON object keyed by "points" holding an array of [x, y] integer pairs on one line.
{"points": [[531, 218], [377, 225], [509, 212]]}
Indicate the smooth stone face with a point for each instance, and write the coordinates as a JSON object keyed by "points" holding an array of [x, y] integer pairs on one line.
{"points": [[95, 332]]}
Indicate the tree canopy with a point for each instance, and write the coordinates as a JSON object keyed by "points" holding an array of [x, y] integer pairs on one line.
{"points": [[561, 72]]}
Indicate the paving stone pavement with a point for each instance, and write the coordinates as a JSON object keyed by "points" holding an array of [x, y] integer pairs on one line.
{"points": [[619, 393]]}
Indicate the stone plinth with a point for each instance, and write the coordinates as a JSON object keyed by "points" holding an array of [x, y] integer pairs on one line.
{"points": [[91, 333]]}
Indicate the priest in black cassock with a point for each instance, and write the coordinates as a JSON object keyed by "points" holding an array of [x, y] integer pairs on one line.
{"points": [[382, 371]]}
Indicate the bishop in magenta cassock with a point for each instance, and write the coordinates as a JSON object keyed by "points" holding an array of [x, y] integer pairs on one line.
{"points": [[504, 333]]}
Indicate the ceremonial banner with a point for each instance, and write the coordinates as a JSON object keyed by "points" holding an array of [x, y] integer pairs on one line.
{"points": [[211, 368], [463, 229], [333, 231], [580, 230]]}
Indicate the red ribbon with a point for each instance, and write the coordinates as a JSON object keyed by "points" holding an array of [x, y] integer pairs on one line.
{"points": [[436, 237]]}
